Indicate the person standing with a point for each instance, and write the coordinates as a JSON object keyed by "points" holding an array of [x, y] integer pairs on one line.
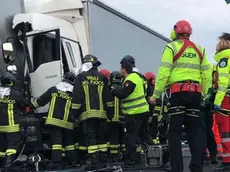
{"points": [[184, 73]]}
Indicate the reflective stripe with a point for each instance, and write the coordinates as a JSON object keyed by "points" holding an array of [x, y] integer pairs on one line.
{"points": [[82, 148], [225, 155], [51, 108], [93, 114], [157, 93], [139, 149], [57, 147], [135, 106], [70, 148], [87, 100], [11, 114], [102, 147], [9, 129], [67, 110], [92, 149], [76, 106], [76, 146], [11, 152], [205, 67], [35, 104], [2, 154], [133, 99], [222, 88], [223, 75], [167, 65], [186, 65], [59, 123], [114, 151], [116, 110], [176, 113], [110, 104], [225, 140], [176, 107], [100, 90], [114, 146]]}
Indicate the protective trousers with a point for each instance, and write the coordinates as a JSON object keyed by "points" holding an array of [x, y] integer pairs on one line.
{"points": [[136, 127], [62, 141], [216, 133], [184, 109], [223, 121], [202, 133], [95, 137], [113, 137], [80, 143], [211, 142], [121, 137]]}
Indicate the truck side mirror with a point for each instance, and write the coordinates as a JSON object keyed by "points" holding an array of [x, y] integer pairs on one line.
{"points": [[11, 69], [8, 52]]}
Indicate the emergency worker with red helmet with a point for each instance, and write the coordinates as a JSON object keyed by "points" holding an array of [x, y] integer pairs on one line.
{"points": [[222, 98], [154, 111], [184, 73], [105, 72]]}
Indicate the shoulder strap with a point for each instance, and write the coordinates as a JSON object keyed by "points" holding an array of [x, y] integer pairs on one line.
{"points": [[187, 43]]}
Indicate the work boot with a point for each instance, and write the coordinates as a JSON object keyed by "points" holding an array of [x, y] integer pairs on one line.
{"points": [[92, 162], [223, 167]]}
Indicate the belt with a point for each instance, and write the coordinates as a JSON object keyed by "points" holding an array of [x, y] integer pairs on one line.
{"points": [[188, 86]]}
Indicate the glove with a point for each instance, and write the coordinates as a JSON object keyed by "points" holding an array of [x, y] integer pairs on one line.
{"points": [[217, 107]]}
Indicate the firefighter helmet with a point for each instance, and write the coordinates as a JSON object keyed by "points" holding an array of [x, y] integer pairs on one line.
{"points": [[105, 72], [115, 77], [8, 79], [183, 27], [128, 59], [69, 77], [92, 59], [150, 75]]}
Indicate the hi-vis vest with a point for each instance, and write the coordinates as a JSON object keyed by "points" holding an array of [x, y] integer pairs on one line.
{"points": [[135, 103]]}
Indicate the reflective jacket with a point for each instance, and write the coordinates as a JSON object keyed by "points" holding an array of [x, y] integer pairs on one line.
{"points": [[223, 69], [90, 95], [136, 102], [11, 105], [187, 67], [60, 97]]}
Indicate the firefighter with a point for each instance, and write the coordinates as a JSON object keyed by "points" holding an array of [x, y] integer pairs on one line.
{"points": [[221, 103], [135, 108], [185, 72], [11, 105], [155, 111], [114, 124], [60, 120], [89, 104]]}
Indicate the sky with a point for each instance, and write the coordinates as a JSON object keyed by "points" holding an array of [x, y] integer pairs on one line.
{"points": [[209, 18]]}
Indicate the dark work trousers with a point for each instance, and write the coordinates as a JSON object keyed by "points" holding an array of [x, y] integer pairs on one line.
{"points": [[136, 127], [113, 137], [62, 139], [211, 142], [184, 109], [10, 141], [121, 137], [154, 127], [95, 135], [202, 133]]}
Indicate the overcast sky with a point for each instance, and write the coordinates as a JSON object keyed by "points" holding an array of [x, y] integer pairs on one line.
{"points": [[209, 18]]}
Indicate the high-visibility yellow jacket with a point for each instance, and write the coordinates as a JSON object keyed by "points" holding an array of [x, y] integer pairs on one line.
{"points": [[187, 67], [223, 69]]}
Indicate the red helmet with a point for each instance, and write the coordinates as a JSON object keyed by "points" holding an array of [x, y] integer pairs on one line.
{"points": [[183, 26], [105, 72], [150, 75]]}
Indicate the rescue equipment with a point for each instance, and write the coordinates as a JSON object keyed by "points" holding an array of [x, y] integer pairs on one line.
{"points": [[189, 86], [187, 43]]}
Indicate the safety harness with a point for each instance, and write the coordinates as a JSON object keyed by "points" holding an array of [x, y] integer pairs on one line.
{"points": [[189, 86]]}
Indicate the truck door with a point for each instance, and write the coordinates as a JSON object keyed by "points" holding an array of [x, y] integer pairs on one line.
{"points": [[46, 65]]}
